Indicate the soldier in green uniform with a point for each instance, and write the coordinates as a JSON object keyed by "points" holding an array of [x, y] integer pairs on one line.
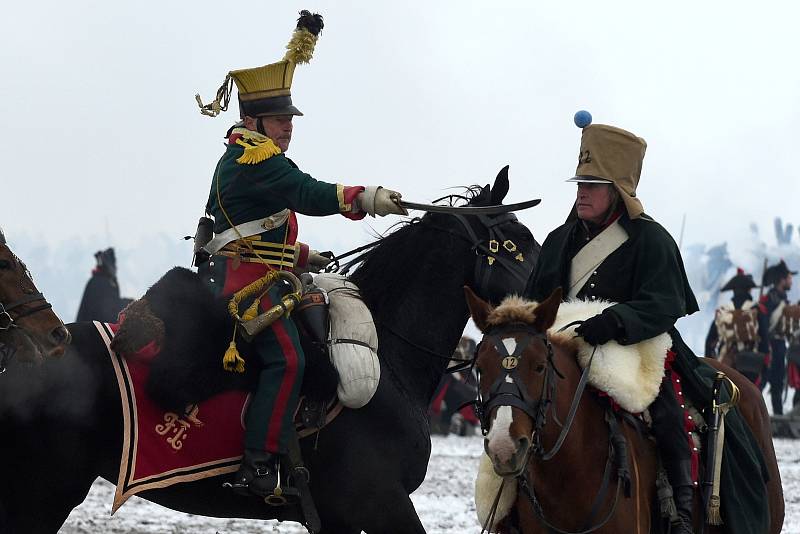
{"points": [[254, 195], [609, 249]]}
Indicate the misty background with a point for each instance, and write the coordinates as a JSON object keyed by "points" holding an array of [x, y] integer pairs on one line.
{"points": [[101, 142]]}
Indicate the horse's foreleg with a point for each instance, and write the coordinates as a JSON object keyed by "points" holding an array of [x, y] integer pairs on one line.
{"points": [[399, 517]]}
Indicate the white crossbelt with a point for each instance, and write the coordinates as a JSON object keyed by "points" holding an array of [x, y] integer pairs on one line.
{"points": [[593, 254], [246, 230]]}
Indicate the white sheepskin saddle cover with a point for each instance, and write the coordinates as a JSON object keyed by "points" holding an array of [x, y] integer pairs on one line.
{"points": [[629, 374], [358, 366], [486, 487]]}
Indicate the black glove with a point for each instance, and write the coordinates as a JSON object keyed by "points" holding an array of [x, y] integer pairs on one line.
{"points": [[599, 329]]}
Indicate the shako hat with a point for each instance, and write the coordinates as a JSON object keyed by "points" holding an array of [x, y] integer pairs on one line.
{"points": [[610, 155], [775, 272], [266, 91], [740, 282]]}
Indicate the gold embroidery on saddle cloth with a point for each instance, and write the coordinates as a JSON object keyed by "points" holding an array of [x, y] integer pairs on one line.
{"points": [[177, 426], [257, 147]]}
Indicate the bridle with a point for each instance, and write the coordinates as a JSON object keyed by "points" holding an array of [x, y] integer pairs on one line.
{"points": [[21, 308], [8, 322], [495, 248], [509, 390]]}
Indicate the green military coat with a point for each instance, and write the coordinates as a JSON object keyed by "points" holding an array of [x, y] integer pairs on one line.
{"points": [[254, 180]]}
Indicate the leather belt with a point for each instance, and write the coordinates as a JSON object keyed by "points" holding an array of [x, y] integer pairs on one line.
{"points": [[247, 229]]}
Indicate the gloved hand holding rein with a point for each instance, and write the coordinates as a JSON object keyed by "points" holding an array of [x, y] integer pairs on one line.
{"points": [[377, 200], [600, 329]]}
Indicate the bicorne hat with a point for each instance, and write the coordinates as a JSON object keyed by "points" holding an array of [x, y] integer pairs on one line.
{"points": [[740, 282], [776, 272], [266, 91], [610, 155]]}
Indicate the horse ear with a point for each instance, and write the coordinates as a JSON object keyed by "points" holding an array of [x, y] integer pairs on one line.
{"points": [[545, 313], [500, 187], [479, 309], [483, 198]]}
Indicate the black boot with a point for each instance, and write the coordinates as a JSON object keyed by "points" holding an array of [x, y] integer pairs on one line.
{"points": [[684, 503], [257, 475]]}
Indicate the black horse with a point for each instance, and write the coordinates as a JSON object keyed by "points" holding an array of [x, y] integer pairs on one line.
{"points": [[62, 427]]}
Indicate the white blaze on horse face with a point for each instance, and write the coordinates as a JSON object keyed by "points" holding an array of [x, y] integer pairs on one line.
{"points": [[511, 344], [500, 444]]}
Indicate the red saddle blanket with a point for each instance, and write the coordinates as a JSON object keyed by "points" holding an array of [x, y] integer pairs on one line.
{"points": [[161, 448]]}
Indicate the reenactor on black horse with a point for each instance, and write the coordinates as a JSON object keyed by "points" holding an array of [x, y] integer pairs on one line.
{"points": [[738, 336], [255, 192], [778, 278], [610, 250], [101, 300]]}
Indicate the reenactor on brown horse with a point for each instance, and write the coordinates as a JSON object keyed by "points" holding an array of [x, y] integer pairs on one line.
{"points": [[737, 336], [773, 308], [610, 250]]}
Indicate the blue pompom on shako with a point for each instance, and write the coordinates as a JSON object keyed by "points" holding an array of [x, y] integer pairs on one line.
{"points": [[583, 118]]}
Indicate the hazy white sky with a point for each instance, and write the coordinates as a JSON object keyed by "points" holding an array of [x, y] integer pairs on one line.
{"points": [[100, 129]]}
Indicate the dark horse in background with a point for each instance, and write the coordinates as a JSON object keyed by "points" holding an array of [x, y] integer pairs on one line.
{"points": [[29, 330], [366, 462]]}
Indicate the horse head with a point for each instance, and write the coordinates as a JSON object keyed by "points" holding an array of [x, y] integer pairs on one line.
{"points": [[28, 326], [505, 250], [516, 375]]}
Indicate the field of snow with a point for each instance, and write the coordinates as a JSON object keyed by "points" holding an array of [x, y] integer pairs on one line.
{"points": [[444, 501]]}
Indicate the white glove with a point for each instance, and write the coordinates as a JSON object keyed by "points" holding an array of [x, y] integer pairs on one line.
{"points": [[316, 261], [380, 201]]}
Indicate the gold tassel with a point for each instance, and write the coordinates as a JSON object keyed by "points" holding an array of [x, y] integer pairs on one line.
{"points": [[220, 103], [251, 312], [714, 516], [232, 361], [257, 151]]}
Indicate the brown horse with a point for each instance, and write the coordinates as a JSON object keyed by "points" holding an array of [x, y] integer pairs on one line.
{"points": [[29, 330], [568, 489]]}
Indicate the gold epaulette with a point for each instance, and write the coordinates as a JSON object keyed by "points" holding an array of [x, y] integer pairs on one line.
{"points": [[257, 147]]}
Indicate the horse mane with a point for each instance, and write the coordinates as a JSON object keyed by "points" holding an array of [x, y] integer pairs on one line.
{"points": [[395, 255], [516, 309]]}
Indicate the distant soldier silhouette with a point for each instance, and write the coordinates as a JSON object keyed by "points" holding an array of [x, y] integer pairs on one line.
{"points": [[738, 335], [101, 300], [779, 277]]}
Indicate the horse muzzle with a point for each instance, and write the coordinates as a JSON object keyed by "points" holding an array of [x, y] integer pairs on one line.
{"points": [[509, 456]]}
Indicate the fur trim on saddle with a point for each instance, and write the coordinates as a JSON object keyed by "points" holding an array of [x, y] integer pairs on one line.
{"points": [[486, 487], [139, 327], [630, 374]]}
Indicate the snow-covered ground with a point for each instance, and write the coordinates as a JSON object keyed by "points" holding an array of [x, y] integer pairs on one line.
{"points": [[444, 501]]}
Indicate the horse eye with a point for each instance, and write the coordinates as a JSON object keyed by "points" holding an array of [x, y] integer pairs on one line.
{"points": [[539, 368], [5, 264]]}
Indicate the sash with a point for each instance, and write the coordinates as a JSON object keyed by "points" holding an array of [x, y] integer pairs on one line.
{"points": [[593, 254]]}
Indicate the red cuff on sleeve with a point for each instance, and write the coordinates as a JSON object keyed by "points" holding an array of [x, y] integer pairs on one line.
{"points": [[350, 194], [302, 258]]}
